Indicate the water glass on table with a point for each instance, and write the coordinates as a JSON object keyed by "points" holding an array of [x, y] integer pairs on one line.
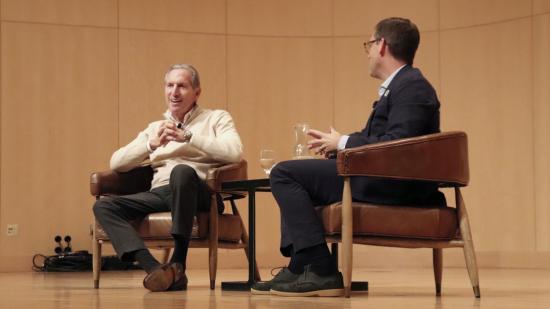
{"points": [[267, 160]]}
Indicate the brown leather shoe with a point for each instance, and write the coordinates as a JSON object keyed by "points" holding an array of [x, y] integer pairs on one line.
{"points": [[179, 285], [167, 277]]}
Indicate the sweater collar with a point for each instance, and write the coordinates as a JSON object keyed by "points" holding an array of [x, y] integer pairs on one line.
{"points": [[187, 118]]}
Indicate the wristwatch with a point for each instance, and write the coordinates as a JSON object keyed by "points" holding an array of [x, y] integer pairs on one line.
{"points": [[187, 135]]}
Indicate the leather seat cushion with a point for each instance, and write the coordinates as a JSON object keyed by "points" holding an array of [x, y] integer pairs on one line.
{"points": [[393, 221], [157, 226]]}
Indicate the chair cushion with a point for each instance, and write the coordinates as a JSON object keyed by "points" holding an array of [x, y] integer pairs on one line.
{"points": [[158, 226], [392, 221]]}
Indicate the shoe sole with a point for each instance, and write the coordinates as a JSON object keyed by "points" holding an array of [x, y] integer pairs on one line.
{"points": [[321, 293], [158, 281], [259, 292]]}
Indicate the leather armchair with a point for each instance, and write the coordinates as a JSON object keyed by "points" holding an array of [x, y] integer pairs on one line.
{"points": [[441, 158], [210, 230]]}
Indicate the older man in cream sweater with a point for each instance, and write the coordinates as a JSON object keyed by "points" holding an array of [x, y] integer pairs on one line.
{"points": [[181, 148]]}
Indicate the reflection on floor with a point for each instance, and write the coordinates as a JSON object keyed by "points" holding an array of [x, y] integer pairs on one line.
{"points": [[395, 288]]}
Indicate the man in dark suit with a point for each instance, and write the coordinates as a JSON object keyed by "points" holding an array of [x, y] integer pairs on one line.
{"points": [[407, 106]]}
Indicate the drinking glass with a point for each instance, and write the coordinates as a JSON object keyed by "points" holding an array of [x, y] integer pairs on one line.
{"points": [[301, 150], [267, 160]]}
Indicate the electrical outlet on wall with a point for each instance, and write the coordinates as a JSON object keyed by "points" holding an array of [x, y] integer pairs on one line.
{"points": [[12, 229]]}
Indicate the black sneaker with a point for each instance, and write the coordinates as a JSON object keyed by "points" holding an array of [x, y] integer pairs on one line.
{"points": [[310, 284], [263, 287]]}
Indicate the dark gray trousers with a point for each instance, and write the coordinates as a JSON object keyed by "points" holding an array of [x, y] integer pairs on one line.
{"points": [[298, 186], [183, 197]]}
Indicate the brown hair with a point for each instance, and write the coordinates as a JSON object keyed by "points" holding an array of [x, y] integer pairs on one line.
{"points": [[401, 36]]}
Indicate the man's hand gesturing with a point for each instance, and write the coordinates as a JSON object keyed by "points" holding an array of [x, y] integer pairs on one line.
{"points": [[323, 143], [167, 132]]}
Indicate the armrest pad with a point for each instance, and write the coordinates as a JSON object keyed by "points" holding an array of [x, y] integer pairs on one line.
{"points": [[440, 157], [228, 172], [111, 182]]}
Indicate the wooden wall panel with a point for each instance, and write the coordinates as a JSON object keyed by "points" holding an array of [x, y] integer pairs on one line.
{"points": [[427, 58], [275, 83], [1, 151], [541, 6], [358, 17], [487, 89], [455, 14], [354, 89], [280, 18], [58, 120], [173, 15], [286, 85], [144, 58], [71, 12], [271, 64], [541, 128]]}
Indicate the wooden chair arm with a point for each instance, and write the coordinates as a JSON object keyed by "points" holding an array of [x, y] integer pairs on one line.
{"points": [[440, 157], [228, 172], [139, 179]]}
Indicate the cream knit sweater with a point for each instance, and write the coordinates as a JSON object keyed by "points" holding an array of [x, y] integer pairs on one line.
{"points": [[215, 142]]}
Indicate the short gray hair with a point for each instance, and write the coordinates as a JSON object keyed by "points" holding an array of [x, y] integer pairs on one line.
{"points": [[195, 80]]}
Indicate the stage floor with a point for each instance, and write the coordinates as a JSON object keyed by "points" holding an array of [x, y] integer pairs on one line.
{"points": [[389, 288]]}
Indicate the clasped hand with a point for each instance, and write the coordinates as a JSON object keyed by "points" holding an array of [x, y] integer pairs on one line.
{"points": [[323, 143], [167, 132]]}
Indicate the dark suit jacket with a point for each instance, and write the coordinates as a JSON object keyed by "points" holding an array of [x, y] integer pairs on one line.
{"points": [[408, 108]]}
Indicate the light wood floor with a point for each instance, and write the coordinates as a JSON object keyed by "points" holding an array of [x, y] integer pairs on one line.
{"points": [[395, 288]]}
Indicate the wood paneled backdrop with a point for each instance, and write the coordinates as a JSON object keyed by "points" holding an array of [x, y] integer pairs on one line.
{"points": [[80, 78]]}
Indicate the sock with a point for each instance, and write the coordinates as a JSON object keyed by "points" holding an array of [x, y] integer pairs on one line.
{"points": [[145, 259], [181, 245], [324, 266], [316, 255]]}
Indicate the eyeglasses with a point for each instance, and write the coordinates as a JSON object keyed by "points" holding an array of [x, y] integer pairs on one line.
{"points": [[368, 44]]}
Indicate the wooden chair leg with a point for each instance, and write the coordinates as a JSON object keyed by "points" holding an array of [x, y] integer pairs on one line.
{"points": [[244, 239], [471, 264], [166, 255], [212, 266], [469, 252], [347, 236], [213, 242], [96, 260], [438, 269]]}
